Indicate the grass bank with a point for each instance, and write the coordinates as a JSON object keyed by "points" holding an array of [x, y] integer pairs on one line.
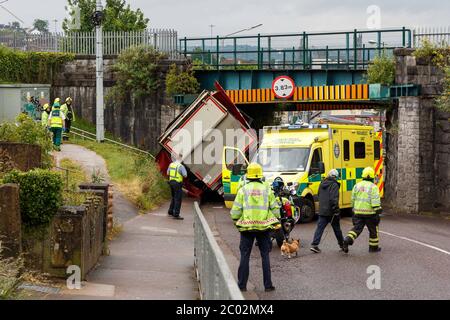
{"points": [[136, 176], [73, 176]]}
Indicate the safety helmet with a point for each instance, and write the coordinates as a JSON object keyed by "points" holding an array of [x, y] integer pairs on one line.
{"points": [[46, 106], [57, 102], [333, 174], [68, 99], [254, 171], [368, 173]]}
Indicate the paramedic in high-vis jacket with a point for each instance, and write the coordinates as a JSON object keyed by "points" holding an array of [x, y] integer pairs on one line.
{"points": [[255, 212]]}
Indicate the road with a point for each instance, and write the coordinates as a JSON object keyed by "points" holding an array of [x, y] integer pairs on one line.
{"points": [[414, 261]]}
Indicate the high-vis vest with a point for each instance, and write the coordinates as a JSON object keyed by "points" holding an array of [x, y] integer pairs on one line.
{"points": [[255, 208], [56, 119], [44, 118], [365, 198], [68, 112], [174, 174]]}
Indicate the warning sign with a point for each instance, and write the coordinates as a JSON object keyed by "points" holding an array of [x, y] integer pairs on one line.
{"points": [[283, 87]]}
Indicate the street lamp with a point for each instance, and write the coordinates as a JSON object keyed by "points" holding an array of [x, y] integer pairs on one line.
{"points": [[243, 30], [247, 29]]}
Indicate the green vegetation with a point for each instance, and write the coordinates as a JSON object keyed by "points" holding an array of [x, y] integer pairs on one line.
{"points": [[181, 82], [87, 126], [30, 67], [138, 72], [118, 16], [136, 176], [40, 194], [25, 130], [381, 70], [439, 55], [73, 175], [10, 277], [40, 25]]}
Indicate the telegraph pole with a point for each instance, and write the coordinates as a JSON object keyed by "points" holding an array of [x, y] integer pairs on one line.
{"points": [[100, 124]]}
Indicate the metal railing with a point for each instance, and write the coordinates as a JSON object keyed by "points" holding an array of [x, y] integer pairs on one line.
{"points": [[436, 35], [214, 276], [114, 42], [320, 50], [92, 137]]}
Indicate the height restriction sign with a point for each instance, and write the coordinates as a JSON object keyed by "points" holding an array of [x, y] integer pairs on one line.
{"points": [[283, 87]]}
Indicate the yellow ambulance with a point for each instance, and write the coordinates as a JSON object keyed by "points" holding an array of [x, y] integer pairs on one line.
{"points": [[303, 154]]}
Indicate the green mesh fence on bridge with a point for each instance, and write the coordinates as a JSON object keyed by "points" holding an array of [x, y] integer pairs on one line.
{"points": [[317, 50]]}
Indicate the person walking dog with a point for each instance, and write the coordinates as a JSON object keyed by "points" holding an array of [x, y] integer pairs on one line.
{"points": [[329, 211]]}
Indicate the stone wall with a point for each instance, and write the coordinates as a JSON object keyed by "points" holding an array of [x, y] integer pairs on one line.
{"points": [[420, 177], [24, 156], [10, 221], [75, 236], [138, 122]]}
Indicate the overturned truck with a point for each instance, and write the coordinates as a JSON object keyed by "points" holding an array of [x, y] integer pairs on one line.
{"points": [[199, 135]]}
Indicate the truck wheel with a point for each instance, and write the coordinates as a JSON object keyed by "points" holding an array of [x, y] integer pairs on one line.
{"points": [[307, 211], [279, 238]]}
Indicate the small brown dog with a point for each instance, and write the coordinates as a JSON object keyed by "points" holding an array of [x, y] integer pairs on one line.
{"points": [[288, 249]]}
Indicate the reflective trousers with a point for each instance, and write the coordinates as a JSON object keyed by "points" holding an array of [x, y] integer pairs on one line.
{"points": [[371, 222]]}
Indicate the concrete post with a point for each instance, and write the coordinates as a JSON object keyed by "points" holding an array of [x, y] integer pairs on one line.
{"points": [[10, 221]]}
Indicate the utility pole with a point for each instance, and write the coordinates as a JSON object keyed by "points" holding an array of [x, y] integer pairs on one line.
{"points": [[212, 27], [100, 124]]}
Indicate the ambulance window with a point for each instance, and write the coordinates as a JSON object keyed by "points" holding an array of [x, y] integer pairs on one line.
{"points": [[346, 150], [233, 157], [316, 158], [360, 150], [377, 150]]}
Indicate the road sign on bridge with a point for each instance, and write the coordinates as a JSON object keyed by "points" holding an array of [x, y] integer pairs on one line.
{"points": [[283, 87]]}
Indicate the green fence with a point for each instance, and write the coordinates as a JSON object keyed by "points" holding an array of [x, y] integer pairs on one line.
{"points": [[319, 50]]}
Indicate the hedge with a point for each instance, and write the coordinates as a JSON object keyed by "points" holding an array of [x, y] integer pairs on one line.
{"points": [[25, 130], [40, 194], [30, 67]]}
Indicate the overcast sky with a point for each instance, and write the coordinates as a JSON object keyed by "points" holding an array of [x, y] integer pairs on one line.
{"points": [[192, 18]]}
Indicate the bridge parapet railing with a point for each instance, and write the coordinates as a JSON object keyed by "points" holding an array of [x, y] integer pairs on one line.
{"points": [[213, 274], [318, 50]]}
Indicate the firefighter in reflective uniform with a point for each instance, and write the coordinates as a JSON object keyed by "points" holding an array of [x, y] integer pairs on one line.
{"points": [[67, 109], [255, 212], [45, 114], [366, 205], [176, 173], [56, 124]]}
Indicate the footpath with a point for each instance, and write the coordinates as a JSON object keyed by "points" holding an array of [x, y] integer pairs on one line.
{"points": [[152, 258]]}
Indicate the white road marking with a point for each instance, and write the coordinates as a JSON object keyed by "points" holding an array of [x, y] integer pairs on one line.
{"points": [[164, 230], [416, 242]]}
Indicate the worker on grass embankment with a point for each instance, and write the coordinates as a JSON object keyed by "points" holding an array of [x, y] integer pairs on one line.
{"points": [[56, 124]]}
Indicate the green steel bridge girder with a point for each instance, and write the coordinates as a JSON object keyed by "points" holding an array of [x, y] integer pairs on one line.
{"points": [[262, 79]]}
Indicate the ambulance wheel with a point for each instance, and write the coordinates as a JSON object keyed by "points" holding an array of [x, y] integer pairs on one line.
{"points": [[307, 211]]}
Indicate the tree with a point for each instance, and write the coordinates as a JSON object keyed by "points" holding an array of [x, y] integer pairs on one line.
{"points": [[118, 16], [181, 82], [41, 25], [382, 70]]}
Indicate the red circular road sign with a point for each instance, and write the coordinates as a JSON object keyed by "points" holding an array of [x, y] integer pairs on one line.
{"points": [[283, 87]]}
